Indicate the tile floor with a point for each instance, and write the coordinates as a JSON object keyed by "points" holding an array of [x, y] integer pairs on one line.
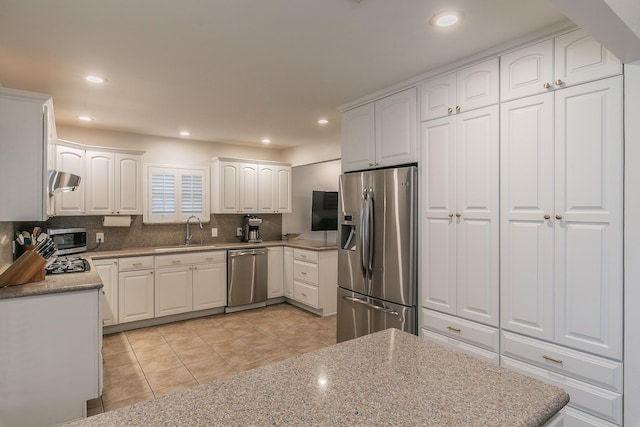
{"points": [[150, 362]]}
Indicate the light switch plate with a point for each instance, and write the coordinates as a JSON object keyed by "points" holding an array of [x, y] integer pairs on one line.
{"points": [[214, 232]]}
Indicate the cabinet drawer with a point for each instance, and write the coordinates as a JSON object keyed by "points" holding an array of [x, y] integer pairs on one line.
{"points": [[461, 329], [592, 369], [469, 349], [585, 397], [305, 255], [306, 294], [174, 260], [135, 263], [570, 417], [305, 271]]}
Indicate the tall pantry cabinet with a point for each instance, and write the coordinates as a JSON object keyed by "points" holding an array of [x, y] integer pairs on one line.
{"points": [[561, 222], [460, 205], [521, 218]]}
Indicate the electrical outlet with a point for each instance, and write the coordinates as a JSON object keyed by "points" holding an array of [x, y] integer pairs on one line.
{"points": [[214, 232], [239, 232], [99, 237]]}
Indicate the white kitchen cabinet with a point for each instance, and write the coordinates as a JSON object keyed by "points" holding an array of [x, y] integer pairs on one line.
{"points": [[50, 357], [315, 276], [100, 191], [190, 281], [561, 241], [128, 184], [569, 417], [136, 299], [460, 235], [108, 271], [114, 183], [210, 285], [471, 350], [565, 61], [381, 133], [234, 186], [468, 89], [275, 272], [287, 272], [27, 132], [274, 188], [72, 160], [173, 290]]}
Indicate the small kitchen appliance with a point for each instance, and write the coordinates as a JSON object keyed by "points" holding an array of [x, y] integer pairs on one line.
{"points": [[69, 240], [251, 229]]}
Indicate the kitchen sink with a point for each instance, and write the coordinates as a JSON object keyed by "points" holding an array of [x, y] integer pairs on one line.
{"points": [[180, 248]]}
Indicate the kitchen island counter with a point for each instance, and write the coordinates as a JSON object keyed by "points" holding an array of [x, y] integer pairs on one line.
{"points": [[387, 378], [53, 284]]}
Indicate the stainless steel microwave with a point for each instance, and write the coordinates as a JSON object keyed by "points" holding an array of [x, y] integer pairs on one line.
{"points": [[69, 240]]}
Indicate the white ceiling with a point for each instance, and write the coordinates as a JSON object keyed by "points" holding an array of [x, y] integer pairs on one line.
{"points": [[238, 70]]}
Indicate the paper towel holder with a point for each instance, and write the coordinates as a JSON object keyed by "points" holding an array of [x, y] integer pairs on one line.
{"points": [[116, 221]]}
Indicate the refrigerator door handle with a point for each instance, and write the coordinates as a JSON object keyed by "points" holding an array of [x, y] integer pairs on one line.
{"points": [[389, 311], [364, 233], [370, 232]]}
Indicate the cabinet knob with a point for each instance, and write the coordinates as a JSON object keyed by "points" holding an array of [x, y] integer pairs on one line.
{"points": [[450, 214], [457, 108], [370, 164], [558, 216], [558, 82], [449, 110], [151, 272], [546, 85], [458, 215], [547, 216]]}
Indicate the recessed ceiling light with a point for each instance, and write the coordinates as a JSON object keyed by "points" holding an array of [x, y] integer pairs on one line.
{"points": [[94, 79], [184, 133], [86, 118], [446, 19], [323, 121], [266, 140]]}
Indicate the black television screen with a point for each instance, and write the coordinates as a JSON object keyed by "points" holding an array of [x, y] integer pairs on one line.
{"points": [[324, 210]]}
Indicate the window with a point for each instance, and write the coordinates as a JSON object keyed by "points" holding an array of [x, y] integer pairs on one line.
{"points": [[173, 194]]}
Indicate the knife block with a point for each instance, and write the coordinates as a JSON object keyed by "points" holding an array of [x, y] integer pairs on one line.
{"points": [[28, 268]]}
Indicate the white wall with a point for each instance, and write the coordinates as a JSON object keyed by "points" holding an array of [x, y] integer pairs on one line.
{"points": [[320, 176], [632, 246], [173, 151]]}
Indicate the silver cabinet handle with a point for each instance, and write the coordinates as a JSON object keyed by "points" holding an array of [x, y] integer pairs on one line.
{"points": [[551, 359], [175, 261]]}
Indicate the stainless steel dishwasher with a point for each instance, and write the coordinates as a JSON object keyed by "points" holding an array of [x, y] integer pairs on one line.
{"points": [[247, 277]]}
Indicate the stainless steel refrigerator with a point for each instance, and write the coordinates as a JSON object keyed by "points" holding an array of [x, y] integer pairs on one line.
{"points": [[377, 255]]}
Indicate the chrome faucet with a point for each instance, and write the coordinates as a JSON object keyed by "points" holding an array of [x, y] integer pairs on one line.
{"points": [[187, 240]]}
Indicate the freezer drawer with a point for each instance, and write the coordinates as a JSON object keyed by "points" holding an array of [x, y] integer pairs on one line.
{"points": [[359, 315]]}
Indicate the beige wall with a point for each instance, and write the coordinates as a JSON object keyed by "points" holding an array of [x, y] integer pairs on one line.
{"points": [[163, 150], [308, 154]]}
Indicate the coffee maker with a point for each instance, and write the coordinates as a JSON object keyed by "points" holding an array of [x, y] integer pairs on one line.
{"points": [[251, 228]]}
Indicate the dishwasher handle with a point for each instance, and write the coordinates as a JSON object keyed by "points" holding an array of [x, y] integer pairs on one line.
{"points": [[244, 252]]}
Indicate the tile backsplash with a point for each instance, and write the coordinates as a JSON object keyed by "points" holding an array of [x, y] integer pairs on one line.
{"points": [[140, 235]]}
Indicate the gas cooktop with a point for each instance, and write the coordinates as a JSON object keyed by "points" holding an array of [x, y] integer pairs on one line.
{"points": [[68, 264]]}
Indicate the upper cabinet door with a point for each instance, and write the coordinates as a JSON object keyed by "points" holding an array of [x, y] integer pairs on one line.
{"points": [[358, 149], [267, 188], [128, 184], [69, 159], [527, 71], [225, 187], [396, 129], [283, 189], [477, 86], [438, 97], [579, 58], [100, 183], [248, 187]]}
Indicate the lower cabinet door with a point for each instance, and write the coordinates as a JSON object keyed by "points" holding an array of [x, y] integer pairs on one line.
{"points": [[108, 271], [135, 295], [209, 286], [173, 291]]}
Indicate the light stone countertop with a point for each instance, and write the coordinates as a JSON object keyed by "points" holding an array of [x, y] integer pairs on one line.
{"points": [[387, 378], [74, 282], [313, 245]]}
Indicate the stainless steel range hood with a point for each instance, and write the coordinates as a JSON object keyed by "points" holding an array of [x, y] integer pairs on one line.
{"points": [[62, 181]]}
